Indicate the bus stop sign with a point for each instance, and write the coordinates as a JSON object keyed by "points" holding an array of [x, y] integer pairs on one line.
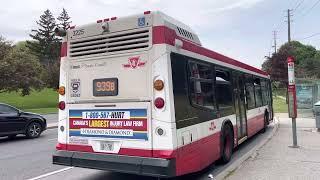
{"points": [[292, 104]]}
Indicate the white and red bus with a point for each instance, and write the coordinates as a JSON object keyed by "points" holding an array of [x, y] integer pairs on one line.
{"points": [[140, 95]]}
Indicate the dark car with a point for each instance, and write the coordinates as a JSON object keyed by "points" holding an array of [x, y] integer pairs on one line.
{"points": [[14, 121]]}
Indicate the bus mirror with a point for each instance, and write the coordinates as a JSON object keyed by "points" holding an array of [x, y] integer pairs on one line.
{"points": [[105, 27], [60, 32]]}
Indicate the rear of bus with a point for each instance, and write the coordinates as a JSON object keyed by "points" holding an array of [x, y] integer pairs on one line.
{"points": [[111, 117]]}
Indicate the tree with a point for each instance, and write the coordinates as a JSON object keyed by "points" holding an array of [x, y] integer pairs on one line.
{"points": [[310, 68], [266, 65], [46, 46], [64, 20], [20, 71], [307, 61], [5, 47]]}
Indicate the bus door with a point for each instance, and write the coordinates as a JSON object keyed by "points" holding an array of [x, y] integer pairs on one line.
{"points": [[240, 106]]}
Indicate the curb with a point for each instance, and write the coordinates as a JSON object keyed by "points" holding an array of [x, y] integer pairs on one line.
{"points": [[235, 165]]}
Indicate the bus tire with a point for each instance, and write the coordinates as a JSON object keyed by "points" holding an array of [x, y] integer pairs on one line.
{"points": [[266, 122], [227, 144]]}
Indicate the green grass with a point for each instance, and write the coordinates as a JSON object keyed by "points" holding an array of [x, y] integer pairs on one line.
{"points": [[280, 92], [279, 105], [42, 102]]}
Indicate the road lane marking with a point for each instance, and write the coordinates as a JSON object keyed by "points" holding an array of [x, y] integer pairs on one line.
{"points": [[52, 139], [51, 173]]}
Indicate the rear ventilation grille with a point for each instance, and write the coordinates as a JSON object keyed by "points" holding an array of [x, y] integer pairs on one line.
{"points": [[185, 33], [120, 42]]}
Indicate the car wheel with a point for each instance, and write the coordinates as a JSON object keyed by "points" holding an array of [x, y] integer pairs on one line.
{"points": [[12, 136], [227, 144], [34, 130]]}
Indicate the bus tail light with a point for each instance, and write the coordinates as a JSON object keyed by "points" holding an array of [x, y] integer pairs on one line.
{"points": [[147, 12], [159, 102], [62, 105], [60, 146], [158, 85], [62, 90], [63, 52]]}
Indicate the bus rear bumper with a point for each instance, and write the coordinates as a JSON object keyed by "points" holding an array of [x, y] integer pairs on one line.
{"points": [[119, 163]]}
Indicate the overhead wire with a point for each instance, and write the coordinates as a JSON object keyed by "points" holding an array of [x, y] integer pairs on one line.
{"points": [[310, 9], [281, 24]]}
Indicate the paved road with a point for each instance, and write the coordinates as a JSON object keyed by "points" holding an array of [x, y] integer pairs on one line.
{"points": [[51, 118], [30, 158], [23, 158]]}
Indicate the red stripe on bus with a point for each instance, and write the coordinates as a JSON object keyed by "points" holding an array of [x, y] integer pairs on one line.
{"points": [[165, 35], [63, 50], [255, 124], [166, 154], [189, 158], [198, 155]]}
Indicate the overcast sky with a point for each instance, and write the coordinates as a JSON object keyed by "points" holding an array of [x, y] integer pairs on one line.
{"points": [[241, 29]]}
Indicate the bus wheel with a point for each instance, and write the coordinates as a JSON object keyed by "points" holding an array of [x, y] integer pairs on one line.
{"points": [[227, 144]]}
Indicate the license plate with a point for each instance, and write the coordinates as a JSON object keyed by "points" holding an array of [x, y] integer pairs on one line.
{"points": [[106, 146], [105, 87]]}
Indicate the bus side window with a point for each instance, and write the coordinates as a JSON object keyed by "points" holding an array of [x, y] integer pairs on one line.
{"points": [[264, 89], [224, 91], [201, 85], [250, 92], [258, 93]]}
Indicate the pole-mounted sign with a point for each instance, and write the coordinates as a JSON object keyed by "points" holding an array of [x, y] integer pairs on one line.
{"points": [[291, 89], [292, 99]]}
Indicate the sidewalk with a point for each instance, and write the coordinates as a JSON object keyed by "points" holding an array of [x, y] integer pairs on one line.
{"points": [[275, 160]]}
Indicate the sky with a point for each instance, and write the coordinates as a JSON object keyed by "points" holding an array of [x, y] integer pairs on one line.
{"points": [[241, 29]]}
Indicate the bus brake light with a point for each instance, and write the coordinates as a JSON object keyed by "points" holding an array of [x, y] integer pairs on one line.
{"points": [[62, 105], [159, 102]]}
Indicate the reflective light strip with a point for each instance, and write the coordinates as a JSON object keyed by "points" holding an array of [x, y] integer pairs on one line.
{"points": [[64, 47]]}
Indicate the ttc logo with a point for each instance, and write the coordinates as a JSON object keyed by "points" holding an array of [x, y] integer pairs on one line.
{"points": [[134, 62]]}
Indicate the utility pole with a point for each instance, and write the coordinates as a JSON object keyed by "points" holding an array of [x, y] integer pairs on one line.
{"points": [[275, 41], [291, 93], [289, 21]]}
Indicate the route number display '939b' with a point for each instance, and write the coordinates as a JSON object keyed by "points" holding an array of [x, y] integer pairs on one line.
{"points": [[105, 87], [140, 95]]}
